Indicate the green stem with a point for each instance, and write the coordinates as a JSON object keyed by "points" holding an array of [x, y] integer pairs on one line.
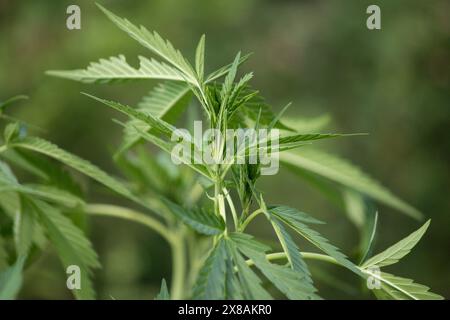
{"points": [[176, 242], [306, 255], [131, 215], [232, 208], [178, 269], [250, 218]]}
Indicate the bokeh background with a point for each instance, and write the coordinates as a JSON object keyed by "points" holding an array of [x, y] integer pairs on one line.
{"points": [[393, 83]]}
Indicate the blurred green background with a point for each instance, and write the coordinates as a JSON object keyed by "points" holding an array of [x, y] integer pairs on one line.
{"points": [[393, 83]]}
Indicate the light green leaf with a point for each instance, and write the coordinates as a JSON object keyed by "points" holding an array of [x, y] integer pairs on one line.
{"points": [[211, 279], [155, 43], [45, 192], [24, 228], [298, 140], [342, 172], [394, 253], [200, 58], [116, 69], [11, 280], [250, 283], [166, 101], [198, 219], [163, 292], [194, 161], [292, 252], [49, 149], [224, 70], [233, 288], [316, 239], [293, 284], [71, 244], [229, 79], [294, 214], [362, 213], [397, 288], [160, 125]]}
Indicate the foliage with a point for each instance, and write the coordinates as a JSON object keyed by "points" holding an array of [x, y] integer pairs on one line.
{"points": [[203, 213]]}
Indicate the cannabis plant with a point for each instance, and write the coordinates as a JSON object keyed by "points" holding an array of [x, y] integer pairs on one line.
{"points": [[202, 209]]}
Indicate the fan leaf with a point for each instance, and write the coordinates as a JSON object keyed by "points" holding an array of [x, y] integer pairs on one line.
{"points": [[155, 43], [198, 219], [116, 69], [315, 238], [71, 244], [394, 253], [11, 280], [342, 172], [397, 288], [293, 284], [166, 101], [212, 276]]}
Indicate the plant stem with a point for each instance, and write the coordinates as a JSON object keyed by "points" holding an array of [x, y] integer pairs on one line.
{"points": [[250, 218], [176, 242], [306, 255], [178, 268], [131, 215], [232, 208]]}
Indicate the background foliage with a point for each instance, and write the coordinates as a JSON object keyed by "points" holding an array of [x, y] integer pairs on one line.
{"points": [[392, 83]]}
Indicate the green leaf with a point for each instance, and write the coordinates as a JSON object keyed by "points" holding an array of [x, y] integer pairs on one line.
{"points": [[71, 244], [298, 140], [224, 70], [233, 288], [166, 101], [292, 252], [23, 228], [398, 288], [49, 149], [250, 283], [198, 219], [315, 238], [342, 172], [155, 43], [229, 79], [44, 192], [293, 284], [11, 280], [362, 213], [256, 110], [154, 122], [200, 58], [116, 69], [394, 253], [163, 292], [195, 155], [293, 214], [212, 276]]}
